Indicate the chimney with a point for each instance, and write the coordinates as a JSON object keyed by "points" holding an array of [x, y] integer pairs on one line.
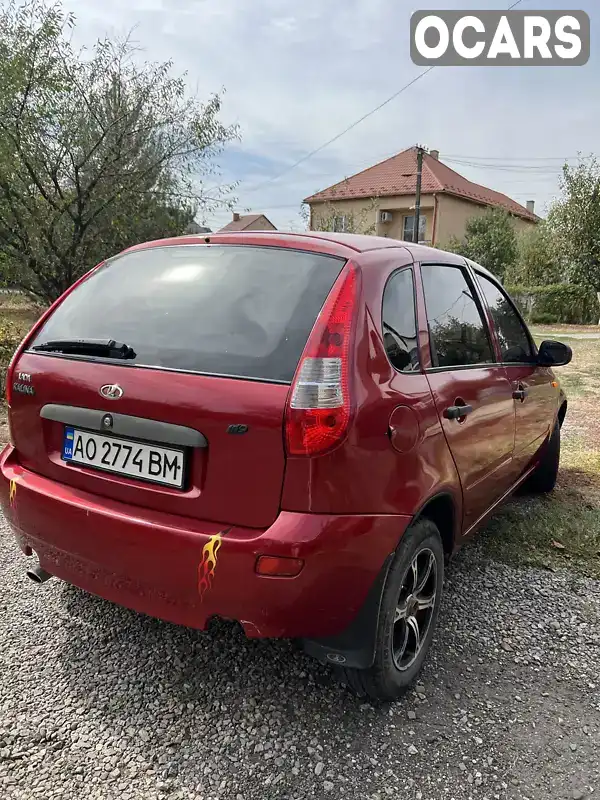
{"points": [[531, 206], [435, 154], [236, 216]]}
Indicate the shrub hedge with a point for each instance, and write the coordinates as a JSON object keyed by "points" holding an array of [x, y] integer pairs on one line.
{"points": [[560, 302]]}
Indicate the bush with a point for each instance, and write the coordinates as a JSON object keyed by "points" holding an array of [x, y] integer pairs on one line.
{"points": [[490, 240], [539, 262], [561, 302], [543, 318]]}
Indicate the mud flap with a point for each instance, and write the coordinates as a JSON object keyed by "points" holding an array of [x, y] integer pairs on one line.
{"points": [[355, 646]]}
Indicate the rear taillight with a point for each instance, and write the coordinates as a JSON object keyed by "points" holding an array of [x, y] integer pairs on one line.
{"points": [[318, 411]]}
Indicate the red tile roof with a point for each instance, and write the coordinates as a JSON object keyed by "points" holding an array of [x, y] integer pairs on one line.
{"points": [[397, 176], [242, 223]]}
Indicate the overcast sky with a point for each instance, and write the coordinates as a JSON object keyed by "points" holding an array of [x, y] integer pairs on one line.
{"points": [[296, 73]]}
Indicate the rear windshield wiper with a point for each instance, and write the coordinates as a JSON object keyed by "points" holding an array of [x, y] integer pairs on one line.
{"points": [[106, 348]]}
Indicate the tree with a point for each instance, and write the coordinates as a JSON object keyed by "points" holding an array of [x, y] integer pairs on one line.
{"points": [[490, 240], [575, 218], [539, 261], [97, 150]]}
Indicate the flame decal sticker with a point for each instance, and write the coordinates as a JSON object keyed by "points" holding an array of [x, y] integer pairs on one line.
{"points": [[208, 564], [12, 494]]}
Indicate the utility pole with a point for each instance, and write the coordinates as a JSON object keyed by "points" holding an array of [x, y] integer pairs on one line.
{"points": [[420, 151]]}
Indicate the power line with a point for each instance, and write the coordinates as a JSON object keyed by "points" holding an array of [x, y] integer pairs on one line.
{"points": [[343, 133], [519, 168], [354, 124], [512, 158], [465, 159], [503, 163], [541, 171], [532, 179], [507, 167], [478, 161]]}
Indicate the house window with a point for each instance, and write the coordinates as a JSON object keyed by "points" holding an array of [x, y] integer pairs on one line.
{"points": [[409, 222], [340, 224]]}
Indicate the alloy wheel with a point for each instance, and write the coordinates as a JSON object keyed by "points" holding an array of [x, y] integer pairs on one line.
{"points": [[414, 609]]}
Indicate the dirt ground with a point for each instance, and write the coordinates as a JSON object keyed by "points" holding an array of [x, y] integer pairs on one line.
{"points": [[99, 702]]}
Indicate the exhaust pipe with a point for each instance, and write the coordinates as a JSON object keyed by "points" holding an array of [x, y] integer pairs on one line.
{"points": [[38, 575]]}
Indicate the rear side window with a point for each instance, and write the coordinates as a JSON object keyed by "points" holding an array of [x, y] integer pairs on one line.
{"points": [[514, 341], [223, 310], [399, 323], [457, 331]]}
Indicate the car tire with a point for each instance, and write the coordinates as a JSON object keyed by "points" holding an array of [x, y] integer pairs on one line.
{"points": [[543, 479], [394, 668]]}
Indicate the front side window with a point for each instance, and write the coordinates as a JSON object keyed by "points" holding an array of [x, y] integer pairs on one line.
{"points": [[409, 224], [514, 341], [399, 323], [457, 331]]}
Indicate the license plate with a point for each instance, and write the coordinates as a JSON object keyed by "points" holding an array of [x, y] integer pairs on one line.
{"points": [[148, 462]]}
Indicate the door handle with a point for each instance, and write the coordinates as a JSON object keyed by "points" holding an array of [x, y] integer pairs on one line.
{"points": [[458, 412], [520, 393]]}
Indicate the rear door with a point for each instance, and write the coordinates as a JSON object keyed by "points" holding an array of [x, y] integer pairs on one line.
{"points": [[472, 393], [217, 332], [535, 390]]}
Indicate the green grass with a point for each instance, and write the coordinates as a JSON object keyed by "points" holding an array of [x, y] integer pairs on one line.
{"points": [[561, 530], [558, 531], [574, 385]]}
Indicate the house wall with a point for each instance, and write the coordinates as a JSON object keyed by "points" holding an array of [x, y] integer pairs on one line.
{"points": [[404, 206], [364, 214], [454, 213]]}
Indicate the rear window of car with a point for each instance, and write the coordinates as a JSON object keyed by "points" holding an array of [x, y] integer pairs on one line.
{"points": [[223, 310]]}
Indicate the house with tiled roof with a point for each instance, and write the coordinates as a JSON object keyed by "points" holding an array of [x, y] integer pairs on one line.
{"points": [[249, 222], [195, 229], [381, 200]]}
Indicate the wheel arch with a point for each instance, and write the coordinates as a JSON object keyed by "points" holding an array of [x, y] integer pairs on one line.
{"points": [[562, 412], [441, 509], [355, 646]]}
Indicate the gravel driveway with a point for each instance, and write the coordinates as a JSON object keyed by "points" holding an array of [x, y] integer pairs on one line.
{"points": [[99, 702]]}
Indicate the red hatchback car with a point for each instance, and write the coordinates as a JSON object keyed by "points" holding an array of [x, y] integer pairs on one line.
{"points": [[290, 431]]}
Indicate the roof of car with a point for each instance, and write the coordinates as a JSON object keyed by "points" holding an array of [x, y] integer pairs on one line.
{"points": [[341, 244], [346, 241], [352, 241]]}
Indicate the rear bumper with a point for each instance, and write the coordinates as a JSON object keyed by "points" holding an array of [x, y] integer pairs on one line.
{"points": [[186, 571]]}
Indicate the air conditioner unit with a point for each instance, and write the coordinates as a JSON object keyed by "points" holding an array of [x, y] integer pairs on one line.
{"points": [[385, 216]]}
